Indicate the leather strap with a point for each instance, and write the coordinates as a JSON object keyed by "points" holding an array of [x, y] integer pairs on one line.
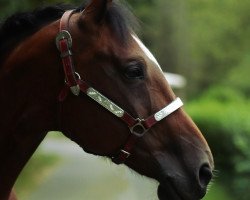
{"points": [[64, 45], [125, 152], [64, 22]]}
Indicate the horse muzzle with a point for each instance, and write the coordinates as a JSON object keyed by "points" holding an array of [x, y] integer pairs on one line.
{"points": [[182, 187]]}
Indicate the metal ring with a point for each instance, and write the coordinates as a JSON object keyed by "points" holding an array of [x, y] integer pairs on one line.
{"points": [[78, 75], [138, 129]]}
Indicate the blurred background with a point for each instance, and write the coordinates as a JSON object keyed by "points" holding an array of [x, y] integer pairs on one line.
{"points": [[205, 41]]}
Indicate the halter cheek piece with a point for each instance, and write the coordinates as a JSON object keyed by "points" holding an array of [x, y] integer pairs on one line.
{"points": [[73, 82]]}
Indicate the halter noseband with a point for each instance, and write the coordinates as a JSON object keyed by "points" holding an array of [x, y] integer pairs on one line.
{"points": [[73, 82]]}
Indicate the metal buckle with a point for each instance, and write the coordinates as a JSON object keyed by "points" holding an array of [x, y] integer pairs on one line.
{"points": [[75, 89], [138, 129], [66, 54], [63, 35], [127, 154]]}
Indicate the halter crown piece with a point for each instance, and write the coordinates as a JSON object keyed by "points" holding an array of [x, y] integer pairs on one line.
{"points": [[73, 82]]}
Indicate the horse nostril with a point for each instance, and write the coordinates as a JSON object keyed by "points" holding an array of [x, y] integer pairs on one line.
{"points": [[205, 175]]}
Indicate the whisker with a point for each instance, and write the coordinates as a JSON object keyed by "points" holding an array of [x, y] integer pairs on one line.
{"points": [[216, 173]]}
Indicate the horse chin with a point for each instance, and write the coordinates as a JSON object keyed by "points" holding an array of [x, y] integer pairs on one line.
{"points": [[168, 192]]}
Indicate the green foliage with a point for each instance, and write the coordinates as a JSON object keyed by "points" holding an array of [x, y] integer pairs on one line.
{"points": [[219, 39], [218, 192], [223, 94], [222, 114], [238, 77]]}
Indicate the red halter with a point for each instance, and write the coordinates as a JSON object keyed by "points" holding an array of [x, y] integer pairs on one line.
{"points": [[74, 83]]}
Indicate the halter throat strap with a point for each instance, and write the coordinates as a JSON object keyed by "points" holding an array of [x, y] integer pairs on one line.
{"points": [[73, 82]]}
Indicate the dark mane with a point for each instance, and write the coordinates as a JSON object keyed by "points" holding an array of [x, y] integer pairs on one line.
{"points": [[22, 25]]}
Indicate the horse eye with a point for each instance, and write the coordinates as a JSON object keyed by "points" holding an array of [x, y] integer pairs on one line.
{"points": [[134, 70]]}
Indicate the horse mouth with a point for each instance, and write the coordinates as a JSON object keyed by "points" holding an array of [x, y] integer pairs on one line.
{"points": [[169, 192]]}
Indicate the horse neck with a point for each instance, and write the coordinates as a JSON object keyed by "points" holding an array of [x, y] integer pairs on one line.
{"points": [[30, 80]]}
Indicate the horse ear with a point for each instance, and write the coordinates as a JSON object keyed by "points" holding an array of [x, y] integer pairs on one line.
{"points": [[95, 11]]}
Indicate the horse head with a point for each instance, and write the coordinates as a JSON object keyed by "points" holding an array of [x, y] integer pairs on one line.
{"points": [[112, 61]]}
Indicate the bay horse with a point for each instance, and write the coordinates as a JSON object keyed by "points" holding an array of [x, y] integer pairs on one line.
{"points": [[102, 88]]}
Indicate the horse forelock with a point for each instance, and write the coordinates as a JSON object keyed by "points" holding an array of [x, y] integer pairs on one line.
{"points": [[121, 21]]}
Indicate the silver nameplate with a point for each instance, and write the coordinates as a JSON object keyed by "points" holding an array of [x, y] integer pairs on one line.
{"points": [[105, 102], [173, 106]]}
